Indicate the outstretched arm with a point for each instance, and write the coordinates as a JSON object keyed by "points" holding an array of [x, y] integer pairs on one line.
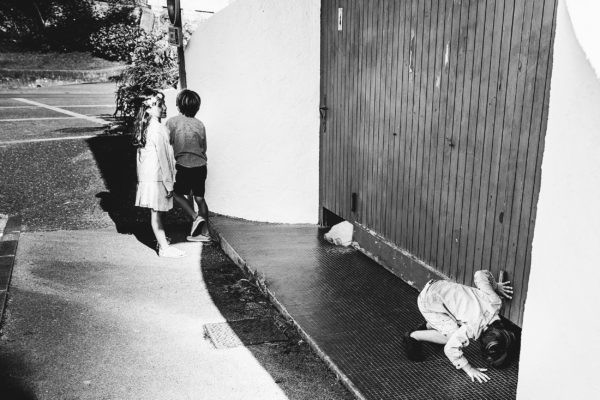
{"points": [[484, 280], [454, 351], [505, 289], [476, 373]]}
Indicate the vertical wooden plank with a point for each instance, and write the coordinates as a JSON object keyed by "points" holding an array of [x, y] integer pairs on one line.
{"points": [[539, 118], [331, 101], [443, 245], [357, 168], [529, 62], [505, 125], [436, 254], [373, 84], [356, 98], [397, 209], [339, 114], [389, 138], [381, 136], [393, 127], [417, 57], [348, 89], [321, 103], [492, 218], [419, 117], [337, 104], [459, 137], [382, 115], [482, 140], [482, 262], [437, 139], [365, 107], [516, 148], [428, 150], [466, 140], [410, 87], [343, 100], [327, 148], [482, 39], [371, 44]]}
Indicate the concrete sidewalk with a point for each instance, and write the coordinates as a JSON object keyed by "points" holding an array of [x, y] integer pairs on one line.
{"points": [[95, 314], [353, 312]]}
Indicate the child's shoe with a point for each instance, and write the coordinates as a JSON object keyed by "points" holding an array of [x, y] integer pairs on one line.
{"points": [[170, 252], [199, 238], [413, 348], [196, 224]]}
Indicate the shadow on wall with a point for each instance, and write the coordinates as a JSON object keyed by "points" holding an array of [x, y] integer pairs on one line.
{"points": [[116, 160]]}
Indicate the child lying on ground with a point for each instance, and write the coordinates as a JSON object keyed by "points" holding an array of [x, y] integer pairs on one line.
{"points": [[455, 314]]}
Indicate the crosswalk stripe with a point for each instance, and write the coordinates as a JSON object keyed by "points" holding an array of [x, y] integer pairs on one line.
{"points": [[63, 111], [33, 119], [62, 105], [46, 139]]}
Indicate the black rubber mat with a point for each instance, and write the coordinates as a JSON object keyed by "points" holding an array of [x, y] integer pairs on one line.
{"points": [[356, 311]]}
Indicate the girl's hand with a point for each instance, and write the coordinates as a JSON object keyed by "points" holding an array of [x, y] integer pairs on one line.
{"points": [[476, 373], [169, 194], [505, 289]]}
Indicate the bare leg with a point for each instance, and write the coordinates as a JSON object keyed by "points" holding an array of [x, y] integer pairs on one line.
{"points": [[158, 229], [431, 336], [203, 212], [183, 203], [190, 199]]}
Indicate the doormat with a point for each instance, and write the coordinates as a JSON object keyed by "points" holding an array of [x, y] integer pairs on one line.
{"points": [[243, 332]]}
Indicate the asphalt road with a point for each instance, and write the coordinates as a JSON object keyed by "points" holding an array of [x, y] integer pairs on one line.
{"points": [[93, 313]]}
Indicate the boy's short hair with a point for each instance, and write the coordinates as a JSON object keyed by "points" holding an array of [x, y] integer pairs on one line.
{"points": [[188, 102], [498, 345]]}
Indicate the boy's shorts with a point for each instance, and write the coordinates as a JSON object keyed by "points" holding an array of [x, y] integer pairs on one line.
{"points": [[434, 311], [193, 179]]}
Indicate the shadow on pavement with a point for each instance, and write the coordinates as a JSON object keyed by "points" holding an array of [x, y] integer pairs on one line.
{"points": [[283, 354], [11, 387], [115, 158]]}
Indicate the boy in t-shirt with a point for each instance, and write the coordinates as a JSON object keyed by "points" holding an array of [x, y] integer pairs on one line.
{"points": [[188, 138], [456, 314]]}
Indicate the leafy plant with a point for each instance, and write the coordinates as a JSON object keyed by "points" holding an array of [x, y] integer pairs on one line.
{"points": [[115, 42], [153, 66]]}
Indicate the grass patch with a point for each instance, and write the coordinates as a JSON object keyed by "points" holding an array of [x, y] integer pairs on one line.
{"points": [[53, 61]]}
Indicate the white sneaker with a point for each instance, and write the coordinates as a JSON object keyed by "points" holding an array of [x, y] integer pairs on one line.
{"points": [[171, 252], [199, 238], [196, 224]]}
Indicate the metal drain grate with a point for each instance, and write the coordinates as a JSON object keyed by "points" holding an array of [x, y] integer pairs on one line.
{"points": [[243, 332]]}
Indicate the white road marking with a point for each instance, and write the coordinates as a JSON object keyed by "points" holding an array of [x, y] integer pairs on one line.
{"points": [[60, 110], [47, 139], [34, 119], [4, 107], [69, 106]]}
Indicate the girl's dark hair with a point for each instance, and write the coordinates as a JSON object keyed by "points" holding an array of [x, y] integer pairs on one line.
{"points": [[498, 345], [142, 117], [188, 102]]}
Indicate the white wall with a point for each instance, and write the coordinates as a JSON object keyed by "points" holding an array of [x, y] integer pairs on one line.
{"points": [[560, 356], [256, 66]]}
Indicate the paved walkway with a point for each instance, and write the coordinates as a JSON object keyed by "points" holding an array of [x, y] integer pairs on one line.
{"points": [[353, 312], [97, 315]]}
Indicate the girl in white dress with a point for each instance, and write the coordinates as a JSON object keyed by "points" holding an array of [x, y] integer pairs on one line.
{"points": [[155, 169]]}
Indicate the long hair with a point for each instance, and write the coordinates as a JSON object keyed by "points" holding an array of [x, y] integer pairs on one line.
{"points": [[142, 118]]}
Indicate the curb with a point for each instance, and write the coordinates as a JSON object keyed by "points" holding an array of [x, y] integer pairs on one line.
{"points": [[262, 284], [32, 76], [8, 250]]}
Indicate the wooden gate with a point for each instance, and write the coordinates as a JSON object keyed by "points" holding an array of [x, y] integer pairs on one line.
{"points": [[434, 116]]}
